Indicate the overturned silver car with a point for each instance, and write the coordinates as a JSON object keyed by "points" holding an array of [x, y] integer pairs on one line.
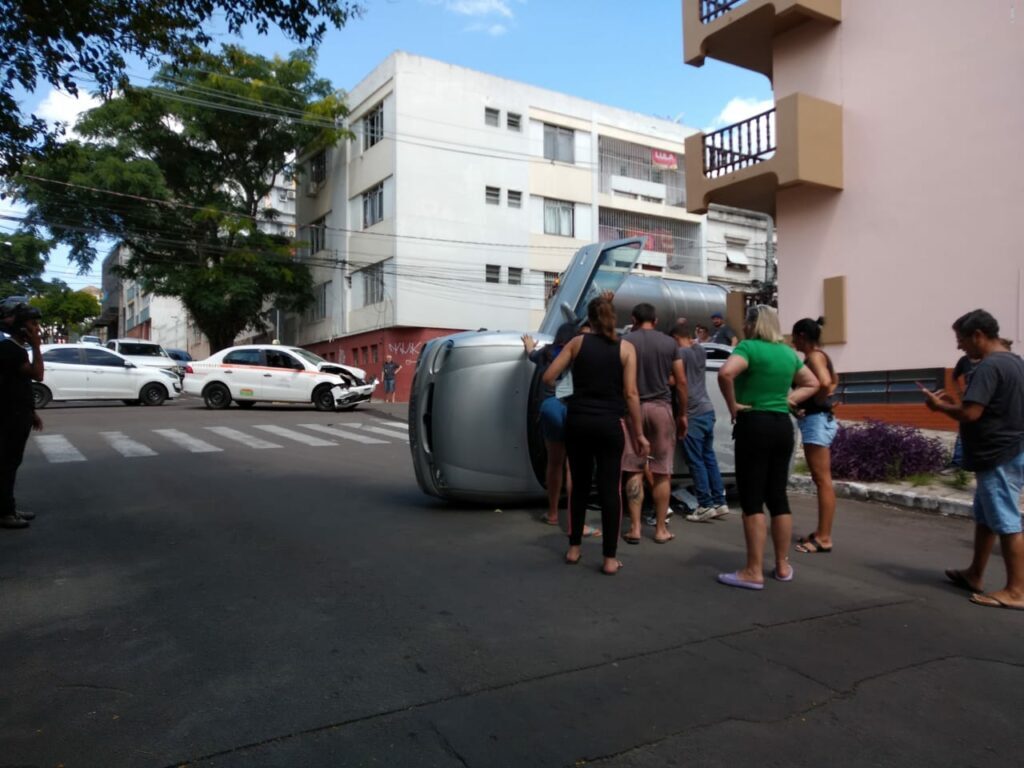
{"points": [[473, 415]]}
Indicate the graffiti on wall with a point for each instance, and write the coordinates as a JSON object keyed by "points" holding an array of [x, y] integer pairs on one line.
{"points": [[405, 352]]}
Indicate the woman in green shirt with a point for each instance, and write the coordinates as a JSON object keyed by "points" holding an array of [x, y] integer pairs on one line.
{"points": [[756, 382]]}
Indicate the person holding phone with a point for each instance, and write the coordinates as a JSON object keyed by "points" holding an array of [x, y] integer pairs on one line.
{"points": [[991, 417], [20, 322]]}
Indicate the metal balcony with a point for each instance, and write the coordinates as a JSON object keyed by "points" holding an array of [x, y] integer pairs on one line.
{"points": [[743, 165], [741, 32]]}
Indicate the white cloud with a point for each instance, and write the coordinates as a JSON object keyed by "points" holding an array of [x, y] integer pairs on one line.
{"points": [[739, 109], [62, 107], [480, 8], [494, 30]]}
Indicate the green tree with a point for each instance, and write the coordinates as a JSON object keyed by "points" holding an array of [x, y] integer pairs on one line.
{"points": [[22, 261], [65, 311], [178, 172], [62, 42]]}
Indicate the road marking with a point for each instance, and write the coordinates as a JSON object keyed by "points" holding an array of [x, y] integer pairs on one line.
{"points": [[344, 434], [58, 450], [401, 426], [127, 447], [380, 431], [189, 443], [241, 437], [291, 434]]}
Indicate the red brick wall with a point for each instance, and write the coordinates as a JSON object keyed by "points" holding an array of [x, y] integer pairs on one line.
{"points": [[403, 344]]}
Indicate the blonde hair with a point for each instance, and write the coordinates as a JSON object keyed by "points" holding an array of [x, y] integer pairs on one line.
{"points": [[763, 322]]}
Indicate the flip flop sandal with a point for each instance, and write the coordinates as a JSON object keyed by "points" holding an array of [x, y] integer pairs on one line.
{"points": [[957, 579], [591, 533], [665, 540], [630, 539], [548, 522], [733, 580], [812, 541], [775, 574], [987, 601], [612, 573]]}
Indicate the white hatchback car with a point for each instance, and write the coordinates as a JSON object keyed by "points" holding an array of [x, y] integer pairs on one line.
{"points": [[274, 373], [89, 372]]}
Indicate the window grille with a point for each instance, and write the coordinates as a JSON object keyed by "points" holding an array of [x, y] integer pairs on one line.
{"points": [[492, 273], [635, 161], [373, 205], [680, 241], [493, 195], [515, 198], [492, 116], [373, 126]]}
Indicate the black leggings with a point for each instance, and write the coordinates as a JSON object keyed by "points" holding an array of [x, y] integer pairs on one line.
{"points": [[590, 441], [764, 446], [14, 432]]}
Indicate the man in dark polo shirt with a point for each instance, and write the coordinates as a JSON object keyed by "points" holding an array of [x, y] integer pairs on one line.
{"points": [[20, 324], [991, 417]]}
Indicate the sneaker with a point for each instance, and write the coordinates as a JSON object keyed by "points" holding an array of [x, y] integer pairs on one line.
{"points": [[702, 515], [24, 514], [721, 511], [13, 521], [650, 520]]}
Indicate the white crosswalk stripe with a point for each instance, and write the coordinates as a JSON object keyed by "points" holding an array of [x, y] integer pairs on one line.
{"points": [[380, 431], [127, 447], [58, 449], [189, 443], [241, 437], [291, 434], [344, 434]]}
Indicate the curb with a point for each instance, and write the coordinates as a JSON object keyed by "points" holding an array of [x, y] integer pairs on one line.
{"points": [[909, 499]]}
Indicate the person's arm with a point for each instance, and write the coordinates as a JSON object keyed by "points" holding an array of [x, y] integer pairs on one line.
{"points": [[34, 368], [734, 340], [529, 343], [733, 367], [563, 361], [682, 392], [816, 362], [805, 386], [636, 423], [941, 402]]}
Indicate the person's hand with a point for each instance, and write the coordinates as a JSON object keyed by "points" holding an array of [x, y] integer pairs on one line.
{"points": [[642, 445], [37, 423], [682, 424], [528, 343], [738, 408], [934, 400], [608, 295], [33, 337]]}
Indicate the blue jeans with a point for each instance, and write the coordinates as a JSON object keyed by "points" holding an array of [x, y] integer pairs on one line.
{"points": [[699, 447]]}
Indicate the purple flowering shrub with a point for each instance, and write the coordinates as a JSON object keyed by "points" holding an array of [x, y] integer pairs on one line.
{"points": [[875, 451]]}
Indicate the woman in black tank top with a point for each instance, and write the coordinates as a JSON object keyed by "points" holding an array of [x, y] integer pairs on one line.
{"points": [[818, 429], [604, 390]]}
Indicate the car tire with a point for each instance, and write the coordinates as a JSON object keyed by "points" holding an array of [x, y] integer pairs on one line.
{"points": [[41, 396], [323, 398], [245, 404], [216, 397], [153, 394], [132, 402]]}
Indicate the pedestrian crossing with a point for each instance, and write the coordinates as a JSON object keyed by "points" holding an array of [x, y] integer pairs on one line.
{"points": [[59, 449]]}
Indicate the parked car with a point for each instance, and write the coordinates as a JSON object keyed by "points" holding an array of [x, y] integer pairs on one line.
{"points": [[183, 357], [146, 353], [274, 373], [88, 372], [91, 340]]}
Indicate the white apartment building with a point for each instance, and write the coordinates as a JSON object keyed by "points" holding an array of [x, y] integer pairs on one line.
{"points": [[462, 196]]}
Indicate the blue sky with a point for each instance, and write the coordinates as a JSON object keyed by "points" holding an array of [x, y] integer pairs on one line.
{"points": [[626, 54]]}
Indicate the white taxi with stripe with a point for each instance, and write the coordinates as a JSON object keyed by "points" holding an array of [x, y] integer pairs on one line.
{"points": [[274, 373]]}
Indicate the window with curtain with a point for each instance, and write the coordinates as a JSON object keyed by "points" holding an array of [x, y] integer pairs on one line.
{"points": [[558, 218]]}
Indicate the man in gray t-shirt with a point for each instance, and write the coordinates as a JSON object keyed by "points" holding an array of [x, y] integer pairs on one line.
{"points": [[991, 418], [699, 443], [656, 364]]}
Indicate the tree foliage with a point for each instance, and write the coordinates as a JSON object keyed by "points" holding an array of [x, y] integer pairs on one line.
{"points": [[22, 261], [179, 173], [65, 310], [61, 42]]}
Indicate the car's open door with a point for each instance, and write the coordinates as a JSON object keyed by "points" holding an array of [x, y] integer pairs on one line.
{"points": [[593, 270]]}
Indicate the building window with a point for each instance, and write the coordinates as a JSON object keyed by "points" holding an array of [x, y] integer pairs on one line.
{"points": [[318, 167], [736, 254], [373, 126], [317, 234], [515, 276], [558, 143], [558, 218], [282, 195], [492, 116], [493, 195], [493, 273], [373, 284], [515, 198], [373, 205], [318, 309], [514, 121], [374, 350]]}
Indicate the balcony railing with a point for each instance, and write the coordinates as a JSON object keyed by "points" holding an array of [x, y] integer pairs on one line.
{"points": [[740, 145], [713, 9]]}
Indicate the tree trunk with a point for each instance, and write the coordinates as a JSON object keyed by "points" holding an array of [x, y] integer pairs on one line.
{"points": [[220, 339]]}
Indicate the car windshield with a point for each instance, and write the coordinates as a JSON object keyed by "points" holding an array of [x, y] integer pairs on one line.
{"points": [[142, 350], [309, 357]]}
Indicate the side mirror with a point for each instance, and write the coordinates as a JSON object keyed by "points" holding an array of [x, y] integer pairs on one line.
{"points": [[129, 364]]}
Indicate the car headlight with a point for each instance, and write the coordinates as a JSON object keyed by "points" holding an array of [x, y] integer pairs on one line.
{"points": [[166, 372]]}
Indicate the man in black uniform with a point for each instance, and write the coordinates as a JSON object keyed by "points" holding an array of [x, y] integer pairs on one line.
{"points": [[19, 322]]}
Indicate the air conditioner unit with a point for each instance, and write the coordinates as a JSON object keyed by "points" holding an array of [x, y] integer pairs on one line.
{"points": [[312, 188]]}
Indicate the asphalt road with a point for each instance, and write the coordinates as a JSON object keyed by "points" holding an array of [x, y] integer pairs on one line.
{"points": [[306, 605]]}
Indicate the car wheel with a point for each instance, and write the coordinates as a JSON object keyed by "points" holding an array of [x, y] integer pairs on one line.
{"points": [[323, 398], [153, 394], [132, 402], [216, 396], [245, 404], [41, 396]]}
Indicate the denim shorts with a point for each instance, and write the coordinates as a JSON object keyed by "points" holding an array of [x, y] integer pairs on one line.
{"points": [[389, 386], [552, 420], [997, 498], [818, 429]]}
